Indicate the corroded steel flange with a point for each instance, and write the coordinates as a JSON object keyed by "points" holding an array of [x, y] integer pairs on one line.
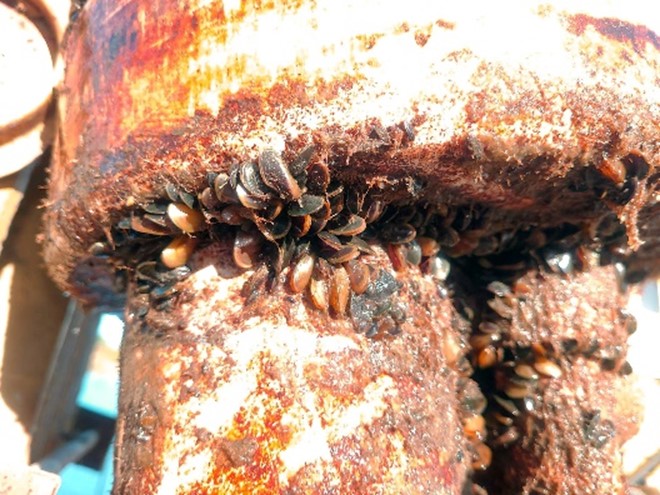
{"points": [[222, 163], [157, 92]]}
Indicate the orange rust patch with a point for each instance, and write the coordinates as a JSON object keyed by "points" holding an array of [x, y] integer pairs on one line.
{"points": [[623, 32], [445, 24], [421, 38], [368, 41]]}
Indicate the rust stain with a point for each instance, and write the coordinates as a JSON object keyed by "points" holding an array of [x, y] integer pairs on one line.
{"points": [[404, 27], [624, 32], [368, 41], [421, 37], [445, 24]]}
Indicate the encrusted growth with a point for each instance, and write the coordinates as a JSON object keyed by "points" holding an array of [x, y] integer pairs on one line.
{"points": [[287, 220], [524, 344], [295, 221], [295, 227]]}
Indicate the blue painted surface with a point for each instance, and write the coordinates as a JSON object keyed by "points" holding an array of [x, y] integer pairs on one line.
{"points": [[78, 480], [81, 480], [98, 394]]}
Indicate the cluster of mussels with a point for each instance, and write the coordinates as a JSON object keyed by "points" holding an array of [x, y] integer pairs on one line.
{"points": [[287, 216], [513, 376], [473, 404], [295, 216], [292, 224], [616, 180]]}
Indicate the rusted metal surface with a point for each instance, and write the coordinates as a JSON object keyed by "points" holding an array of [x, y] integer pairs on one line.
{"points": [[231, 381], [156, 93], [274, 396]]}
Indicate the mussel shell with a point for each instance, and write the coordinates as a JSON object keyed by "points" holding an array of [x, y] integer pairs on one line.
{"points": [[353, 225], [318, 286], [175, 275], [507, 405], [429, 246], [379, 134], [156, 219], [250, 201], [256, 283], [397, 254], [147, 271], [208, 199], [234, 170], [335, 204], [186, 218], [448, 237], [145, 226], [558, 262], [344, 254], [301, 273], [301, 226], [274, 208], [298, 167], [283, 255], [232, 215], [413, 253], [318, 178], [275, 229], [124, 223], [329, 241], [359, 275], [398, 233], [178, 251], [247, 246], [374, 211], [276, 175], [614, 170], [156, 208], [318, 224], [219, 182], [172, 192], [486, 246], [252, 182], [361, 244], [340, 292], [498, 288], [187, 199], [306, 205], [354, 200], [636, 165], [438, 267], [226, 193], [210, 178]]}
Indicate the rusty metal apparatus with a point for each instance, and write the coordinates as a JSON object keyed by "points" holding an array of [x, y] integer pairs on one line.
{"points": [[326, 219]]}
